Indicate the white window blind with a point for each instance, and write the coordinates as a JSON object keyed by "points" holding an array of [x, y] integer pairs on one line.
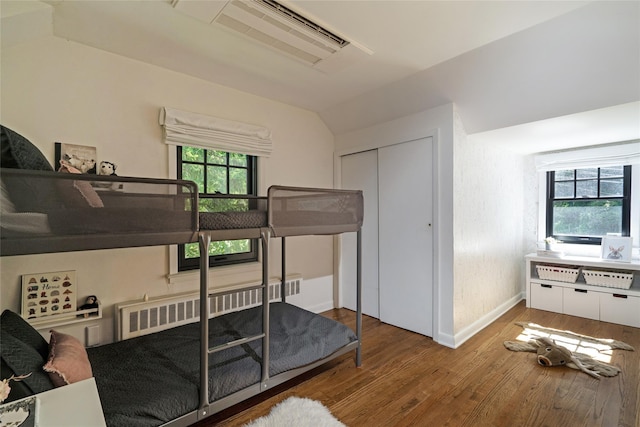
{"points": [[199, 130], [599, 156]]}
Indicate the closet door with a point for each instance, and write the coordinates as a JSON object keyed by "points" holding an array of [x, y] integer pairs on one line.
{"points": [[360, 172], [405, 215]]}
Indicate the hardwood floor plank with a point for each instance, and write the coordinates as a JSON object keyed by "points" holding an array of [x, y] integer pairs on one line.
{"points": [[407, 379]]}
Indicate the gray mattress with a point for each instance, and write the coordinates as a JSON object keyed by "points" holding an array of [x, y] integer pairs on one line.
{"points": [[257, 219], [149, 380], [232, 220]]}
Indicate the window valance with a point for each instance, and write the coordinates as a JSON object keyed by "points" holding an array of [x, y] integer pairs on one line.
{"points": [[199, 130], [599, 156]]}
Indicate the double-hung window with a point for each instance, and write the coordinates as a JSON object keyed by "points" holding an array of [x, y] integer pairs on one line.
{"points": [[219, 155], [218, 172], [585, 204]]}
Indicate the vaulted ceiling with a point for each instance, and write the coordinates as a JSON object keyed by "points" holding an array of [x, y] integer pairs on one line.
{"points": [[503, 63]]}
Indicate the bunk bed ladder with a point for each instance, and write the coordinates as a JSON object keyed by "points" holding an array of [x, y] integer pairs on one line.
{"points": [[205, 350], [359, 297], [238, 341], [204, 241], [283, 270], [265, 236]]}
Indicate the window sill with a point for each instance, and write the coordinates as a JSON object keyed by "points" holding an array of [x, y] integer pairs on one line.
{"points": [[219, 275]]}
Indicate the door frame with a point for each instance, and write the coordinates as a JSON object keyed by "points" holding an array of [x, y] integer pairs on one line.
{"points": [[337, 181]]}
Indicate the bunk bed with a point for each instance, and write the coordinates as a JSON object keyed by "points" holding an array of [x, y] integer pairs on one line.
{"points": [[184, 374]]}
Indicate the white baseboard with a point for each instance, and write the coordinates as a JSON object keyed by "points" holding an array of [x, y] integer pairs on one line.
{"points": [[458, 339]]}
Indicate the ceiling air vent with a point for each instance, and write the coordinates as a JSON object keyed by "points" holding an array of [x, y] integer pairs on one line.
{"points": [[279, 27], [298, 20]]}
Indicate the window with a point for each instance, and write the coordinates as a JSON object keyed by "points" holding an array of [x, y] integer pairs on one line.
{"points": [[585, 204], [218, 172]]}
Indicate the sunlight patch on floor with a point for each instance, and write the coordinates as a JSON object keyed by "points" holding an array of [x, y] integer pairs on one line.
{"points": [[598, 351]]}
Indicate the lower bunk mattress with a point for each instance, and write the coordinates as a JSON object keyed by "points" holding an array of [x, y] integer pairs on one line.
{"points": [[153, 379]]}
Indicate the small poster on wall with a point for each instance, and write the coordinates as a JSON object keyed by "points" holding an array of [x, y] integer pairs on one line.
{"points": [[48, 294], [616, 248]]}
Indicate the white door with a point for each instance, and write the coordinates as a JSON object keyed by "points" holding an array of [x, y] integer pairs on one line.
{"points": [[397, 236], [405, 215], [360, 172]]}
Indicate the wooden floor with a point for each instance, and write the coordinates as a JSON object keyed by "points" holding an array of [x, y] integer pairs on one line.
{"points": [[408, 380]]}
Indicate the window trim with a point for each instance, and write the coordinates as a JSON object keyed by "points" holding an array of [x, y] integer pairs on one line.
{"points": [[184, 264], [588, 240]]}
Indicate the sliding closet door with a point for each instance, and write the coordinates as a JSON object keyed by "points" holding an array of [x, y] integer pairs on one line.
{"points": [[360, 172], [405, 215]]}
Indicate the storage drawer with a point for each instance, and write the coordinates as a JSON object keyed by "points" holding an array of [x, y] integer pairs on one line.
{"points": [[546, 297], [622, 309], [581, 303]]}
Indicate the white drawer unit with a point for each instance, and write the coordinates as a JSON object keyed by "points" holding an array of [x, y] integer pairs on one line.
{"points": [[546, 297], [581, 302], [619, 308], [559, 294]]}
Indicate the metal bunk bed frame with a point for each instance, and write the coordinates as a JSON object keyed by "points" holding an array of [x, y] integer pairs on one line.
{"points": [[30, 245], [207, 408]]}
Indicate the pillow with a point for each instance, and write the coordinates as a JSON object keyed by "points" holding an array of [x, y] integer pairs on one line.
{"points": [[6, 205], [19, 389], [27, 194], [23, 359], [19, 153], [78, 193], [23, 350], [13, 324], [68, 361]]}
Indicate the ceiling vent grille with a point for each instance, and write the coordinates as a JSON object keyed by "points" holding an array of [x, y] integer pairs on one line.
{"points": [[280, 28], [297, 19]]}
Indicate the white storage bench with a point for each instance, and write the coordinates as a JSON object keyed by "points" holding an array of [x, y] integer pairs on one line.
{"points": [[616, 300]]}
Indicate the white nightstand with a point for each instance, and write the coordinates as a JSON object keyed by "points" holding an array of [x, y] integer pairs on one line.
{"points": [[73, 405]]}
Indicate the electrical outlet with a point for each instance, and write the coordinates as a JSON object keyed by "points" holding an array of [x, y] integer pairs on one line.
{"points": [[93, 335]]}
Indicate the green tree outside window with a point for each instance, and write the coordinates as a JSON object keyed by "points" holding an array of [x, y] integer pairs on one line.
{"points": [[218, 172]]}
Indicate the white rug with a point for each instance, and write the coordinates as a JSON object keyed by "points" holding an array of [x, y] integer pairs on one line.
{"points": [[297, 412]]}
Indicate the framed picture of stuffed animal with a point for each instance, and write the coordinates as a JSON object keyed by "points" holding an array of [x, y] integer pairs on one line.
{"points": [[80, 157], [616, 248]]}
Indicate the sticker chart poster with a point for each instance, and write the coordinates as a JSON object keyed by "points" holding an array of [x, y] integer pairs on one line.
{"points": [[48, 294]]}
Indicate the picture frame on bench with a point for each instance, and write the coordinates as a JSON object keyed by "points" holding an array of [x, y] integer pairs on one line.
{"points": [[616, 248]]}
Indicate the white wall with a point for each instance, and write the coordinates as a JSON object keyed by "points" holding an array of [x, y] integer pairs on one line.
{"points": [[55, 90], [488, 229]]}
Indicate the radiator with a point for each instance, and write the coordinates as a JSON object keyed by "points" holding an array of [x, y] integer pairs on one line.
{"points": [[136, 318]]}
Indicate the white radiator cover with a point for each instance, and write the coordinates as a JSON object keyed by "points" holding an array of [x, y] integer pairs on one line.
{"points": [[137, 318]]}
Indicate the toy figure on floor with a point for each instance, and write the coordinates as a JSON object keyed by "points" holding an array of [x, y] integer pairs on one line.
{"points": [[551, 354]]}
